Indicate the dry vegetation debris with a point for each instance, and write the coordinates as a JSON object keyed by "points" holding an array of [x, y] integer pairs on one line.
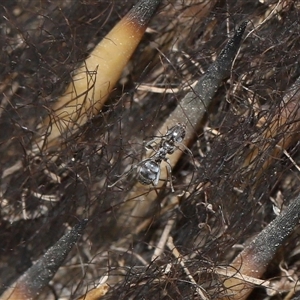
{"points": [[205, 239]]}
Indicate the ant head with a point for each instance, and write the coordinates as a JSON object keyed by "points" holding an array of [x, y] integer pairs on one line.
{"points": [[178, 132]]}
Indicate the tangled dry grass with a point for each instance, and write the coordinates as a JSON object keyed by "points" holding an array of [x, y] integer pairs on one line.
{"points": [[240, 173]]}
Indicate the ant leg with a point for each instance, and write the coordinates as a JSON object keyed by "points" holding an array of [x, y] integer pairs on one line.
{"points": [[155, 182], [149, 146], [169, 169], [186, 149], [123, 175]]}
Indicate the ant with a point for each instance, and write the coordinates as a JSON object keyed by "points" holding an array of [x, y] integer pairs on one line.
{"points": [[149, 169]]}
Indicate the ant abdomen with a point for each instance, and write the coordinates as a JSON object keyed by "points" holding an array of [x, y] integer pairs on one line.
{"points": [[149, 172]]}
